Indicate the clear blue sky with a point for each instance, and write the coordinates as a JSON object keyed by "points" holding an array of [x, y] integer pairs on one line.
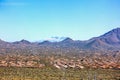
{"points": [[40, 19]]}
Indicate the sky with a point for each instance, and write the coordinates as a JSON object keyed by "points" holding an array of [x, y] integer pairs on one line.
{"points": [[35, 20]]}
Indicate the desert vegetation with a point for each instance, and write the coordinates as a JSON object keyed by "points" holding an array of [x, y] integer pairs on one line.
{"points": [[49, 73], [57, 67]]}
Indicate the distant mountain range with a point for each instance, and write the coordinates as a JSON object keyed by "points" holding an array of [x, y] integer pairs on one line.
{"points": [[109, 40], [105, 42]]}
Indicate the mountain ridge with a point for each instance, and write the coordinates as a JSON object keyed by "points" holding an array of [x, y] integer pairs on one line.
{"points": [[110, 39], [107, 41]]}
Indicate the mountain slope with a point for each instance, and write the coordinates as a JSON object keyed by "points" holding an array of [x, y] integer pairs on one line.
{"points": [[112, 37], [108, 40]]}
